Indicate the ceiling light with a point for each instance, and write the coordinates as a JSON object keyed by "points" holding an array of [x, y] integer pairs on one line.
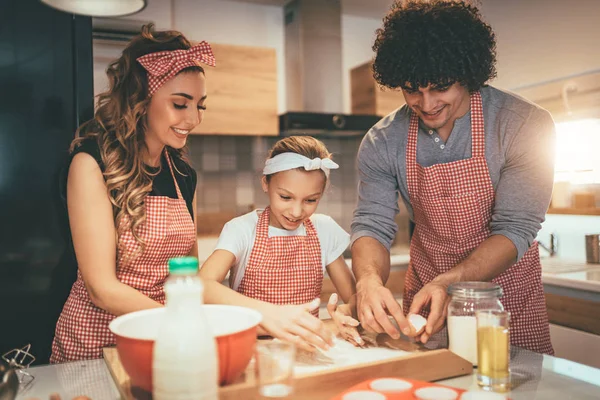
{"points": [[98, 8]]}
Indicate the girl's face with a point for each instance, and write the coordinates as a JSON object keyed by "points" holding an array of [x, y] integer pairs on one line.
{"points": [[294, 196], [175, 109]]}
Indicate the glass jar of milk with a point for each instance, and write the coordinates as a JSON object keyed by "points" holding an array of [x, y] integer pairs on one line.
{"points": [[466, 299]]}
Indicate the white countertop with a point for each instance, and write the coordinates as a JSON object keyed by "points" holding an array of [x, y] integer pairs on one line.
{"points": [[571, 274], [534, 376]]}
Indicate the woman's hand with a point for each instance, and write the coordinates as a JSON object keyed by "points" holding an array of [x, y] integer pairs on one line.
{"points": [[295, 324], [343, 317]]}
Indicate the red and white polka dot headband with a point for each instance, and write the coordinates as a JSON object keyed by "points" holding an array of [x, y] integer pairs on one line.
{"points": [[164, 65]]}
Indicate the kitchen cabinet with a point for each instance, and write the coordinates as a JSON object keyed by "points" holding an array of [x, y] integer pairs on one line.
{"points": [[242, 92], [575, 345], [368, 97], [574, 103], [567, 99]]}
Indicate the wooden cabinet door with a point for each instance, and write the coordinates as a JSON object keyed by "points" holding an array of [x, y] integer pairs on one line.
{"points": [[242, 92]]}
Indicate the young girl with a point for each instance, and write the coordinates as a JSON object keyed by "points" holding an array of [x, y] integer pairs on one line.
{"points": [[276, 256], [129, 194]]}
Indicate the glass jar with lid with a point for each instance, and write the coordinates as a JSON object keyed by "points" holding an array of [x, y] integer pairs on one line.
{"points": [[466, 298]]}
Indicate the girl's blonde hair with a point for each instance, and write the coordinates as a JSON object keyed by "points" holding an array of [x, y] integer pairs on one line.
{"points": [[307, 146], [119, 126]]}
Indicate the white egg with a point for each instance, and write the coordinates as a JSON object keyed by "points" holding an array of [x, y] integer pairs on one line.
{"points": [[417, 321]]}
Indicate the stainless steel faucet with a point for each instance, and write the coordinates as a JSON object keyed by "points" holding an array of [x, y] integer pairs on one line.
{"points": [[552, 248]]}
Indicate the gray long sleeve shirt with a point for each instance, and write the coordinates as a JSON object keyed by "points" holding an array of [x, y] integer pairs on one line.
{"points": [[519, 149]]}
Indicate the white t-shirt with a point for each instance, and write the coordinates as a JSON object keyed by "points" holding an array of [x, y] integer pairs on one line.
{"points": [[238, 237]]}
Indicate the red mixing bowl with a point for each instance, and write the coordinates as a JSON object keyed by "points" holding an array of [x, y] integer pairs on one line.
{"points": [[234, 328]]}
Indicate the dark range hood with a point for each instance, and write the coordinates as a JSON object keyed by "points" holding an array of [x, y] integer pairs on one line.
{"points": [[322, 124], [313, 66]]}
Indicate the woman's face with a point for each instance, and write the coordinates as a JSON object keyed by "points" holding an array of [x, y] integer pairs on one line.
{"points": [[175, 109]]}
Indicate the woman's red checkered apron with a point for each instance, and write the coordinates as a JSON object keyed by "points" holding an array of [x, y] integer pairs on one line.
{"points": [[169, 231], [452, 206], [283, 269]]}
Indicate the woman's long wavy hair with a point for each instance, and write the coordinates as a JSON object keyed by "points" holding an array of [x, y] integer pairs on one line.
{"points": [[119, 126]]}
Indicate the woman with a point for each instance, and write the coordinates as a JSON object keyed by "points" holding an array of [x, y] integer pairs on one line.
{"points": [[130, 193]]}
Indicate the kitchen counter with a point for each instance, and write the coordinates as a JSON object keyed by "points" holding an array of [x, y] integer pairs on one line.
{"points": [[571, 278], [533, 375]]}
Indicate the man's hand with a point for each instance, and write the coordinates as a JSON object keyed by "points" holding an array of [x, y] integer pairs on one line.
{"points": [[374, 303], [295, 324], [434, 295]]}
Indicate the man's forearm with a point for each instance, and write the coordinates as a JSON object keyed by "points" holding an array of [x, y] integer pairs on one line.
{"points": [[491, 258], [370, 260]]}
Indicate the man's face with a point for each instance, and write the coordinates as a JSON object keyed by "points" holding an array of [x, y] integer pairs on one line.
{"points": [[438, 107]]}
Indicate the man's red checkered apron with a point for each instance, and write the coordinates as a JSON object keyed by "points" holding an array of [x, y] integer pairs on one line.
{"points": [[169, 231], [283, 269], [452, 206]]}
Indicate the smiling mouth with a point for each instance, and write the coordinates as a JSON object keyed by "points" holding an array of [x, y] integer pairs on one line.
{"points": [[181, 131], [292, 221], [433, 114]]}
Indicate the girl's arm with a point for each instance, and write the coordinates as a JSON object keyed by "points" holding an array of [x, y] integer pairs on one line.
{"points": [[291, 323], [194, 250], [342, 279], [93, 232], [213, 272], [344, 315]]}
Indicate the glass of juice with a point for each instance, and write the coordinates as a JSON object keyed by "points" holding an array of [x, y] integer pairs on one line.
{"points": [[493, 350], [275, 368]]}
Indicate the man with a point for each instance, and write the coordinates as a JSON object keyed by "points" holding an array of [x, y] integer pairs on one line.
{"points": [[472, 163]]}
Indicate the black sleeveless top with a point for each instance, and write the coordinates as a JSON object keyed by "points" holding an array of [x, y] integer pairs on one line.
{"points": [[65, 274], [162, 185]]}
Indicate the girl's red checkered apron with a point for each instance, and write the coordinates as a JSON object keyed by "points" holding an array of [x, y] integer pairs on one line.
{"points": [[283, 269], [169, 231], [452, 206]]}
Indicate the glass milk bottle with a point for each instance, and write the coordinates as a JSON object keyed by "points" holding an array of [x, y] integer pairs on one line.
{"points": [[466, 299], [185, 364]]}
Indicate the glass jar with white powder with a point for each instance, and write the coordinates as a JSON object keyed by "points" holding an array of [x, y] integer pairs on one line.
{"points": [[466, 299]]}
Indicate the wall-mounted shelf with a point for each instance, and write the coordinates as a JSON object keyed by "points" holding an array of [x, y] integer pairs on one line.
{"points": [[575, 211]]}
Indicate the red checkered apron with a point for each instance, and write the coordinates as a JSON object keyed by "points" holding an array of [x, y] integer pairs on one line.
{"points": [[169, 231], [283, 269], [452, 206]]}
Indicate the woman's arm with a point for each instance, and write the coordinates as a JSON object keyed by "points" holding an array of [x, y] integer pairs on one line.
{"points": [[93, 231]]}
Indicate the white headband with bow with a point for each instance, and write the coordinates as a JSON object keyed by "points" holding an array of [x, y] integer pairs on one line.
{"points": [[287, 161]]}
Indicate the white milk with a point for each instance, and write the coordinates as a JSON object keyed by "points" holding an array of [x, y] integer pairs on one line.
{"points": [[185, 364], [462, 334]]}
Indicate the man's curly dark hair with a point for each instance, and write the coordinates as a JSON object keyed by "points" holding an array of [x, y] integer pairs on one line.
{"points": [[439, 43]]}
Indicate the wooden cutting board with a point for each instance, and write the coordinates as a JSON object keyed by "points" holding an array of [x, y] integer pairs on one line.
{"points": [[412, 361]]}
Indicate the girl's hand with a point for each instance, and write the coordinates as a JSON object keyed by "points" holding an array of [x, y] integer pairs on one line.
{"points": [[344, 321], [295, 324]]}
